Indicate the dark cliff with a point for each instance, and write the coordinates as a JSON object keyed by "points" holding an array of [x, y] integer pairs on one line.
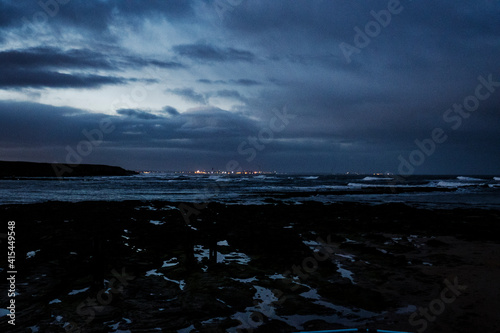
{"points": [[30, 169]]}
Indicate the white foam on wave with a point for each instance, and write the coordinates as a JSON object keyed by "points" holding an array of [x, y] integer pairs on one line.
{"points": [[469, 179], [308, 188], [223, 180], [310, 177], [359, 185], [241, 179], [497, 179], [453, 184], [367, 179]]}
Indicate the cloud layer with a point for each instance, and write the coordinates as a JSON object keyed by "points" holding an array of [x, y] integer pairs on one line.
{"points": [[190, 84]]}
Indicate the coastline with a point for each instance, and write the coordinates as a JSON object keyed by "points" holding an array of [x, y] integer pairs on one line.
{"points": [[19, 169], [274, 268]]}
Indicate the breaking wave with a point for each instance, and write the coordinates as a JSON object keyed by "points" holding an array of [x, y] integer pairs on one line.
{"points": [[469, 179], [367, 179]]}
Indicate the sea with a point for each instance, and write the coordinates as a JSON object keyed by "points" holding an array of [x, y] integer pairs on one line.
{"points": [[450, 191]]}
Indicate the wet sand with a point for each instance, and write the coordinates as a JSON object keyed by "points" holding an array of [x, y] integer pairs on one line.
{"points": [[145, 267]]}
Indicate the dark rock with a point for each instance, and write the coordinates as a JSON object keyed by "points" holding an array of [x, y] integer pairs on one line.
{"points": [[30, 169]]}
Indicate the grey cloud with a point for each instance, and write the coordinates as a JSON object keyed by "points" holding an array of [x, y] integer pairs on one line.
{"points": [[140, 62], [207, 52], [137, 114], [93, 16], [228, 93], [246, 82], [242, 82], [44, 57], [18, 79], [53, 58], [38, 68], [366, 112], [9, 14], [37, 125], [232, 94], [188, 94], [207, 81], [170, 110]]}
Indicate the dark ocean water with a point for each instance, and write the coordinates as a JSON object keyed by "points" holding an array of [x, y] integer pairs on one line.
{"points": [[429, 191]]}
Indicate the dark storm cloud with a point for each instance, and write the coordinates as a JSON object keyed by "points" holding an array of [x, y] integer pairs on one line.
{"points": [[37, 125], [93, 16], [18, 79], [199, 133], [38, 68], [53, 58], [8, 14], [140, 62], [67, 123], [207, 52], [44, 57], [357, 114]]}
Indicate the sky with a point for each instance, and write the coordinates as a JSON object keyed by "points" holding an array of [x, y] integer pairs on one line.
{"points": [[311, 86]]}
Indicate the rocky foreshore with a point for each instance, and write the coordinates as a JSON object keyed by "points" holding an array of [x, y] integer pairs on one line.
{"points": [[157, 266]]}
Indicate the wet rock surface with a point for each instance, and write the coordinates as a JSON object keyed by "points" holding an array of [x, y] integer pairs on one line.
{"points": [[145, 267]]}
